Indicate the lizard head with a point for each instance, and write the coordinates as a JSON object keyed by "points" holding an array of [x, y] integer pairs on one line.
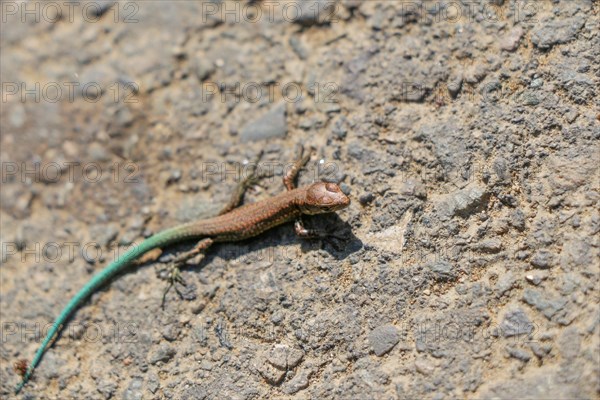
{"points": [[323, 197]]}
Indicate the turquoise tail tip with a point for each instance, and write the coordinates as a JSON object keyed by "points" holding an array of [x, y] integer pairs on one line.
{"points": [[22, 383]]}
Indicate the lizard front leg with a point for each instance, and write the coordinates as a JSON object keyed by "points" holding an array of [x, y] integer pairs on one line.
{"points": [[289, 180]]}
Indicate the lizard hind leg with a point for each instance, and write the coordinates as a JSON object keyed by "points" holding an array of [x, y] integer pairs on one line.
{"points": [[175, 273]]}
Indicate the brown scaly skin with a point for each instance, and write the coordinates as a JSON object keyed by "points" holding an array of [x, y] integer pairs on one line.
{"points": [[253, 219]]}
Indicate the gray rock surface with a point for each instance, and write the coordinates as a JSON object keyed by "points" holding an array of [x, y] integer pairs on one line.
{"points": [[465, 267], [271, 125]]}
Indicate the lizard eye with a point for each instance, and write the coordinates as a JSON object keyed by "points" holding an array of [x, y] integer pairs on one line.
{"points": [[331, 187]]}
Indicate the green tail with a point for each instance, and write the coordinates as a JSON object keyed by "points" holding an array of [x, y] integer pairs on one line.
{"points": [[160, 239]]}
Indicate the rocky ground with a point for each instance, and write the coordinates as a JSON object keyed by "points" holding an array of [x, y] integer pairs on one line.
{"points": [[466, 133]]}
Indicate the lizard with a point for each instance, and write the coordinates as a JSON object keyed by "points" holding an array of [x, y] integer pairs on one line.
{"points": [[231, 225]]}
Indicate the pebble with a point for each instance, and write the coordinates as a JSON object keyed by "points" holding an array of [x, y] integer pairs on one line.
{"points": [[534, 279], [284, 357], [203, 68], [515, 323], [171, 332], [490, 245], [517, 219], [98, 152], [164, 353], [153, 382], [298, 47], [298, 382], [383, 339], [511, 40], [443, 270], [548, 307], [542, 259], [313, 12], [272, 375], [134, 390], [463, 202], [366, 198], [270, 125], [424, 367], [505, 283], [518, 354], [560, 31]]}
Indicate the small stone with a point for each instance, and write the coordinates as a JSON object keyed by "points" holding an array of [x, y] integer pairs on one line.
{"points": [[171, 177], [163, 354], [511, 41], [194, 391], [298, 382], [463, 202], [414, 188], [536, 83], [540, 350], [366, 198], [153, 382], [534, 279], [203, 68], [284, 357], [455, 85], [271, 374], [546, 306], [542, 259], [530, 99], [206, 365], [171, 332], [134, 390], [443, 270], [107, 388], [313, 12], [515, 323], [476, 73], [518, 354], [105, 233], [490, 246], [298, 47], [97, 152], [551, 33], [505, 283], [517, 220], [424, 367], [383, 339], [277, 318], [270, 125]]}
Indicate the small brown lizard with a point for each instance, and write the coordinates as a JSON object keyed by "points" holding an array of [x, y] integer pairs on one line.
{"points": [[233, 224]]}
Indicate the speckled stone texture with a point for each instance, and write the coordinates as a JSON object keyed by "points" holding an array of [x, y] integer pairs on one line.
{"points": [[467, 134]]}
